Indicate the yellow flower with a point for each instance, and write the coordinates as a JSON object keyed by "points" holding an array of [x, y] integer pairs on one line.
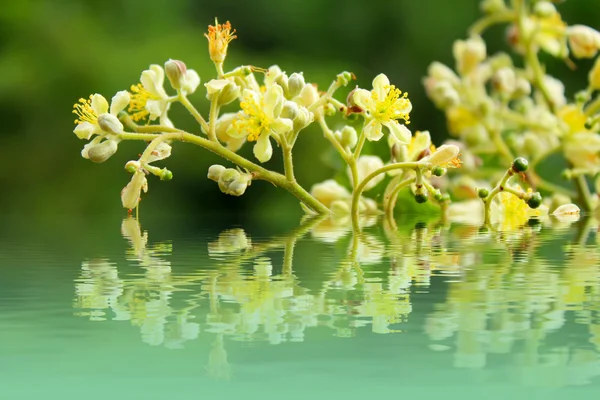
{"points": [[94, 116], [512, 212], [259, 119], [383, 106], [219, 37]]}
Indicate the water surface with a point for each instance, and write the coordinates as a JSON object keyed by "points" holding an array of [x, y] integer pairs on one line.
{"points": [[154, 310]]}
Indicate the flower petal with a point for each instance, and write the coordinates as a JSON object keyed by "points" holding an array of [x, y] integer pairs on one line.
{"points": [[263, 149], [119, 102], [281, 126], [89, 145], [156, 108], [381, 85], [372, 131], [162, 151], [99, 104], [363, 99], [191, 81], [273, 101], [215, 85], [401, 132], [85, 130]]}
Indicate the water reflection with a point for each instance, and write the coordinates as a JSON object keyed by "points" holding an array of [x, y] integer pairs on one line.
{"points": [[530, 296]]}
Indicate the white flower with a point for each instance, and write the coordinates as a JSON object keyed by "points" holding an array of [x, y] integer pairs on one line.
{"points": [[383, 106], [89, 112], [130, 195], [259, 119], [582, 149], [366, 165], [231, 142], [329, 191], [149, 99], [584, 41]]}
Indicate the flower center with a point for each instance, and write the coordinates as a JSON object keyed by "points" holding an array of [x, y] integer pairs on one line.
{"points": [[84, 111], [139, 99], [255, 120], [393, 106]]}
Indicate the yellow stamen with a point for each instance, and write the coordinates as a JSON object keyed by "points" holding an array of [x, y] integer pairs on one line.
{"points": [[219, 37], [253, 120], [137, 104], [393, 106], [84, 111]]}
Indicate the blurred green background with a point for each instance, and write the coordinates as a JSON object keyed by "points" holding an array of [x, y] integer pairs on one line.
{"points": [[54, 52]]}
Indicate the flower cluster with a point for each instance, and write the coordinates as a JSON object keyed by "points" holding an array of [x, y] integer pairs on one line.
{"points": [[499, 108]]}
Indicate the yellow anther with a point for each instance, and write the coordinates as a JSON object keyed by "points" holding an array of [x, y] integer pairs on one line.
{"points": [[84, 111], [137, 104], [393, 106], [219, 37]]}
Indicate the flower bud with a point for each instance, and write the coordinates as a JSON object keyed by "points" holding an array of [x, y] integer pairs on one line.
{"points": [[522, 88], [165, 175], [584, 41], [289, 110], [295, 84], [443, 155], [544, 9], [505, 81], [303, 119], [365, 165], [468, 54], [110, 124], [130, 195], [215, 171], [308, 96], [444, 95], [594, 76], [132, 166], [103, 151], [175, 71], [226, 90], [227, 177], [340, 207], [344, 78], [349, 137], [492, 6]]}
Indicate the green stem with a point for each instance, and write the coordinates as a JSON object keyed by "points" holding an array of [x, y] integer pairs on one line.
{"points": [[192, 110], [584, 193], [593, 107], [359, 146], [258, 172], [487, 202], [356, 193], [288, 164], [331, 137], [484, 23], [212, 120], [389, 202]]}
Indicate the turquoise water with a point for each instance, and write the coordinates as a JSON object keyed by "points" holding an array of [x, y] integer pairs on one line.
{"points": [[173, 309]]}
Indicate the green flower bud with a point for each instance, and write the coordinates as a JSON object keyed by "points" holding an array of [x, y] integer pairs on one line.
{"points": [[289, 110], [329, 110], [166, 175], [567, 174], [295, 84], [520, 165], [303, 119], [482, 193], [544, 9], [215, 172], [535, 200], [438, 171], [132, 166], [175, 71], [349, 137], [103, 151], [438, 196], [421, 197], [344, 78]]}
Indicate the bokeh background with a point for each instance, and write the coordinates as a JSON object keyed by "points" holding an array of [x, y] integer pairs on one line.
{"points": [[54, 52]]}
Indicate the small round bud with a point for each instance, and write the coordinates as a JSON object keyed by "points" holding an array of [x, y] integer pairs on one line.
{"points": [[544, 9], [227, 177], [445, 197], [482, 193], [567, 174], [295, 84], [582, 96], [349, 137], [110, 124], [438, 171], [132, 166], [535, 200], [166, 175], [103, 151], [302, 119], [175, 71], [289, 110], [344, 78], [421, 198], [520, 165], [329, 110], [215, 172], [438, 196]]}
